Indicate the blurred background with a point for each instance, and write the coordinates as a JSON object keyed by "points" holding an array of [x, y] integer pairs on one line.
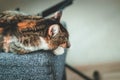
{"points": [[94, 27]]}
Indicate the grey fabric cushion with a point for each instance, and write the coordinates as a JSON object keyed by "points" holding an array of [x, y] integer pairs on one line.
{"points": [[39, 65]]}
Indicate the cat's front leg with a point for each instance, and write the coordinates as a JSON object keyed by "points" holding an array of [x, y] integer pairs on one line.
{"points": [[59, 51]]}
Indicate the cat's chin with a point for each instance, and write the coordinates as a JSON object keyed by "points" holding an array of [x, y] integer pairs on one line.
{"points": [[59, 51]]}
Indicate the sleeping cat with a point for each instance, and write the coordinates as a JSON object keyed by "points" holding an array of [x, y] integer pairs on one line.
{"points": [[21, 33]]}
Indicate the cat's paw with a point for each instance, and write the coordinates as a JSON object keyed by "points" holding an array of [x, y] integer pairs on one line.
{"points": [[59, 51]]}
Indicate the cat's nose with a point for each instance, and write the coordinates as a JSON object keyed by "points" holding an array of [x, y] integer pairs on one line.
{"points": [[66, 45]]}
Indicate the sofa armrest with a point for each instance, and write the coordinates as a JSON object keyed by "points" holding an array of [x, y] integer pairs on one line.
{"points": [[39, 65]]}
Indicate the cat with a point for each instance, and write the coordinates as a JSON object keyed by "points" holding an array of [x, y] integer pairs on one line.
{"points": [[21, 33]]}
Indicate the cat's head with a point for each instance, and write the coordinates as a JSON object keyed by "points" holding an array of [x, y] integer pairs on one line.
{"points": [[58, 35]]}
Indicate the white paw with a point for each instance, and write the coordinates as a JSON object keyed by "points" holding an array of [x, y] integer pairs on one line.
{"points": [[59, 51]]}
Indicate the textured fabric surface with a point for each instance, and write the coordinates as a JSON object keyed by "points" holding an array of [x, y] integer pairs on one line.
{"points": [[41, 65]]}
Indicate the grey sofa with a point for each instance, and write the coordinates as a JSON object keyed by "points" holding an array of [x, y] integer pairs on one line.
{"points": [[39, 65]]}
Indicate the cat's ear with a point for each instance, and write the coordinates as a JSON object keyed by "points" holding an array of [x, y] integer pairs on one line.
{"points": [[57, 16], [53, 30]]}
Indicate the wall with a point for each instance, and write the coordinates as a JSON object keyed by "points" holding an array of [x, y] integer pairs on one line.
{"points": [[93, 26], [95, 31]]}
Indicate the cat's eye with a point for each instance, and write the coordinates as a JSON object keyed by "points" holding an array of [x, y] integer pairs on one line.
{"points": [[66, 39]]}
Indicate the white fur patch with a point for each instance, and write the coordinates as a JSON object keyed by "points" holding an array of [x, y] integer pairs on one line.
{"points": [[59, 51], [43, 44]]}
